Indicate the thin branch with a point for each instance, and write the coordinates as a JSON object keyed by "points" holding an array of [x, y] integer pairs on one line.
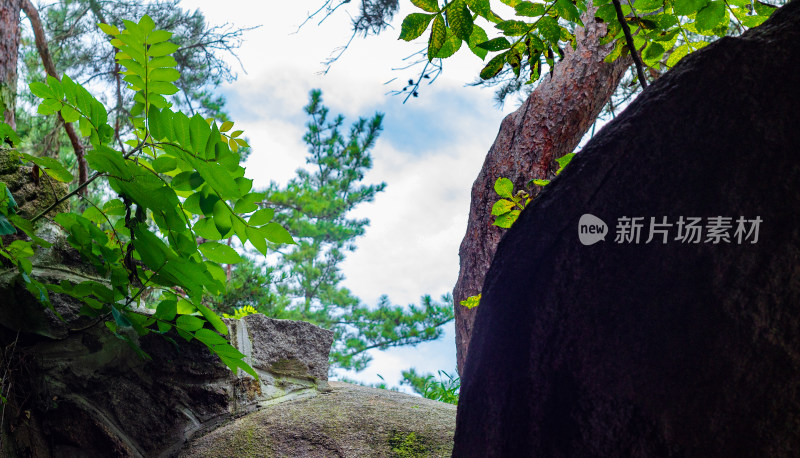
{"points": [[80, 187], [47, 61], [629, 41]]}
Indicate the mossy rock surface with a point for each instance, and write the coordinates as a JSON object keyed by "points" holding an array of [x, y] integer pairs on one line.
{"points": [[346, 421], [31, 197]]}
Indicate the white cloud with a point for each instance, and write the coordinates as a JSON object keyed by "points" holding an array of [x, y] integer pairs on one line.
{"points": [[429, 155]]}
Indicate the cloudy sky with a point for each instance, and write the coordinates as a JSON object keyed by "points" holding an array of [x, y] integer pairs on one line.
{"points": [[429, 153]]}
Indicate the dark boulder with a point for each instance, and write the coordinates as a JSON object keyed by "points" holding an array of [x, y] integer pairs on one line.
{"points": [[656, 349]]}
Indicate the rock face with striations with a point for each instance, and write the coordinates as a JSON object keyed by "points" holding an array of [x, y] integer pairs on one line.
{"points": [[682, 348]]}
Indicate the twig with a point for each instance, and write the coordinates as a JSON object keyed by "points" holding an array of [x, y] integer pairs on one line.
{"points": [[629, 41], [95, 176]]}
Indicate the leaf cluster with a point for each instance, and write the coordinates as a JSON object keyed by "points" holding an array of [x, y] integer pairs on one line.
{"points": [[664, 30], [181, 190]]}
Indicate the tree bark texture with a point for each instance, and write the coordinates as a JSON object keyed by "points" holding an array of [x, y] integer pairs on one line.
{"points": [[548, 125], [9, 45]]}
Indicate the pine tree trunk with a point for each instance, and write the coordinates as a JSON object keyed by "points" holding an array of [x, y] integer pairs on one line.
{"points": [[548, 125], [9, 45]]}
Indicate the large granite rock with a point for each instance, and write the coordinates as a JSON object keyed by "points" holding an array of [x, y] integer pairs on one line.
{"points": [[345, 421], [656, 349]]}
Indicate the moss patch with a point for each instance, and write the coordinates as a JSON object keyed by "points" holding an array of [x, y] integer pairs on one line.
{"points": [[407, 445]]}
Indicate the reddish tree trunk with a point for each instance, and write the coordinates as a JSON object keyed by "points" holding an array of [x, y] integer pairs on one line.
{"points": [[548, 125], [50, 68], [9, 45]]}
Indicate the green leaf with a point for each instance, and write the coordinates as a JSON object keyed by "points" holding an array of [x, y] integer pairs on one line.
{"points": [[711, 16], [687, 7], [677, 54], [222, 217], [482, 7], [59, 173], [48, 106], [209, 337], [205, 228], [653, 52], [164, 164], [104, 159], [753, 21], [7, 228], [478, 36], [219, 253], [185, 307], [460, 20], [69, 114], [504, 187], [162, 49], [568, 11], [257, 239], [647, 6], [275, 233], [539, 182], [471, 302], [437, 38], [212, 318], [764, 9], [494, 66], [513, 28], [507, 219], [189, 323], [502, 206], [146, 24], [186, 181], [157, 36], [414, 25], [529, 9], [451, 45], [166, 310], [563, 161], [261, 217], [549, 29], [431, 6], [108, 29], [247, 203], [496, 44], [41, 90]]}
